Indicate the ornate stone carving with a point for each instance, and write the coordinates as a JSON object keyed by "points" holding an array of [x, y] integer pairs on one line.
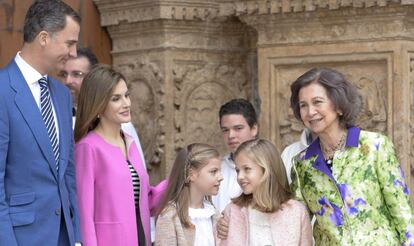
{"points": [[204, 46], [146, 87], [373, 116], [173, 34], [253, 7], [200, 90], [114, 12], [342, 26]]}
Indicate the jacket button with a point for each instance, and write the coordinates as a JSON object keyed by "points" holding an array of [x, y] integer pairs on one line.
{"points": [[57, 211]]}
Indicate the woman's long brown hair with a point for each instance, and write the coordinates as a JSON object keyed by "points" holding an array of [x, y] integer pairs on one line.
{"points": [[95, 92]]}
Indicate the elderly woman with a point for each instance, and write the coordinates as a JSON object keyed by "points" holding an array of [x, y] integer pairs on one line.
{"points": [[349, 178]]}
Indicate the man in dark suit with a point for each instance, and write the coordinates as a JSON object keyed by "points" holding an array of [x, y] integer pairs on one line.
{"points": [[37, 178]]}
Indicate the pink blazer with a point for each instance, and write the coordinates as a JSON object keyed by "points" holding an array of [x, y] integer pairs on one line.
{"points": [[290, 225], [105, 193]]}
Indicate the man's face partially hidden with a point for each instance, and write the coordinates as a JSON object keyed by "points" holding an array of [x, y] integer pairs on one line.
{"points": [[73, 73]]}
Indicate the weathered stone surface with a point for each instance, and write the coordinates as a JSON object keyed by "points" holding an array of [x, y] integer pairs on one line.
{"points": [[200, 90], [182, 62], [370, 46], [260, 7], [146, 87], [185, 58]]}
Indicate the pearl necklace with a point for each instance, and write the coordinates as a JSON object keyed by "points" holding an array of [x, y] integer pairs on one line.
{"points": [[328, 152]]}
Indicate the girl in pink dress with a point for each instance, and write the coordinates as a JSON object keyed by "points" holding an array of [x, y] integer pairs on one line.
{"points": [[264, 214], [187, 215]]}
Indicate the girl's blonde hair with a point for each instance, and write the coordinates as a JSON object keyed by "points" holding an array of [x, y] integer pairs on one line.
{"points": [[94, 95], [192, 157], [273, 189]]}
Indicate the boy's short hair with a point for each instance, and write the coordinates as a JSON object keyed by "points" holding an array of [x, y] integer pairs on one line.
{"points": [[239, 106]]}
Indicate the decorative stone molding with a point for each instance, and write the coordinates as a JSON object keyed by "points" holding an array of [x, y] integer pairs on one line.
{"points": [[175, 35], [261, 7], [115, 12], [336, 26]]}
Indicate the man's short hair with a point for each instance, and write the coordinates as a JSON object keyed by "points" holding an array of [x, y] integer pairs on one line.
{"points": [[239, 106], [47, 15], [88, 54]]}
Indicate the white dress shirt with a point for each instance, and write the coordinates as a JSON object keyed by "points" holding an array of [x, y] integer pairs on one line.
{"points": [[292, 150], [229, 188], [32, 78], [129, 129], [202, 219]]}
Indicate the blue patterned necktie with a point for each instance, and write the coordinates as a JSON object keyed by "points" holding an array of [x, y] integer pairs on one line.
{"points": [[48, 118]]}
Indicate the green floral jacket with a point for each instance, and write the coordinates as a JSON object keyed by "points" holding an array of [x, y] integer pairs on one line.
{"points": [[363, 201]]}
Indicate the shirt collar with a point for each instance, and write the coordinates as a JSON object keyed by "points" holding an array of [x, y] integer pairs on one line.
{"points": [[313, 149], [30, 74], [352, 140], [306, 137], [231, 157], [228, 160]]}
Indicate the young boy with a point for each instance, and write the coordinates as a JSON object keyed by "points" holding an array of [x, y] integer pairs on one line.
{"points": [[238, 123]]}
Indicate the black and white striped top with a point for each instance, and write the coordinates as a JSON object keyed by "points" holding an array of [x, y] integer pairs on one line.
{"points": [[135, 182]]}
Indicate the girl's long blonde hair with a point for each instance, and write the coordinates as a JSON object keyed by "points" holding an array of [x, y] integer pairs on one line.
{"points": [[192, 157], [273, 189], [94, 95]]}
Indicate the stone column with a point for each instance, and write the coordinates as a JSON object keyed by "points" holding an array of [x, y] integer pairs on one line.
{"points": [[183, 62], [371, 42]]}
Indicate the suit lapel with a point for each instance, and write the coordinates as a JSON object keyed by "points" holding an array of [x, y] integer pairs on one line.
{"points": [[28, 108]]}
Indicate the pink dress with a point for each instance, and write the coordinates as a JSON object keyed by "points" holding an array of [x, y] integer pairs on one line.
{"points": [[289, 226]]}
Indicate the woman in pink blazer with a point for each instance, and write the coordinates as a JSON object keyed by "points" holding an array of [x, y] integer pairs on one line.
{"points": [[115, 198]]}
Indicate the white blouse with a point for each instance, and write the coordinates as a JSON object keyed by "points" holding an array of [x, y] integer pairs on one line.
{"points": [[260, 232], [202, 218]]}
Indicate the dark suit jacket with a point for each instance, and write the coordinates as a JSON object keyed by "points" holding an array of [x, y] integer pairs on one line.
{"points": [[33, 196]]}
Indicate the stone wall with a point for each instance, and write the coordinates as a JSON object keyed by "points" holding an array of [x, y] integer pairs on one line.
{"points": [[183, 61], [371, 42], [185, 58]]}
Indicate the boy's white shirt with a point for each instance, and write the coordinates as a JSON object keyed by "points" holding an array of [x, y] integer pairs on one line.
{"points": [[292, 150]]}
